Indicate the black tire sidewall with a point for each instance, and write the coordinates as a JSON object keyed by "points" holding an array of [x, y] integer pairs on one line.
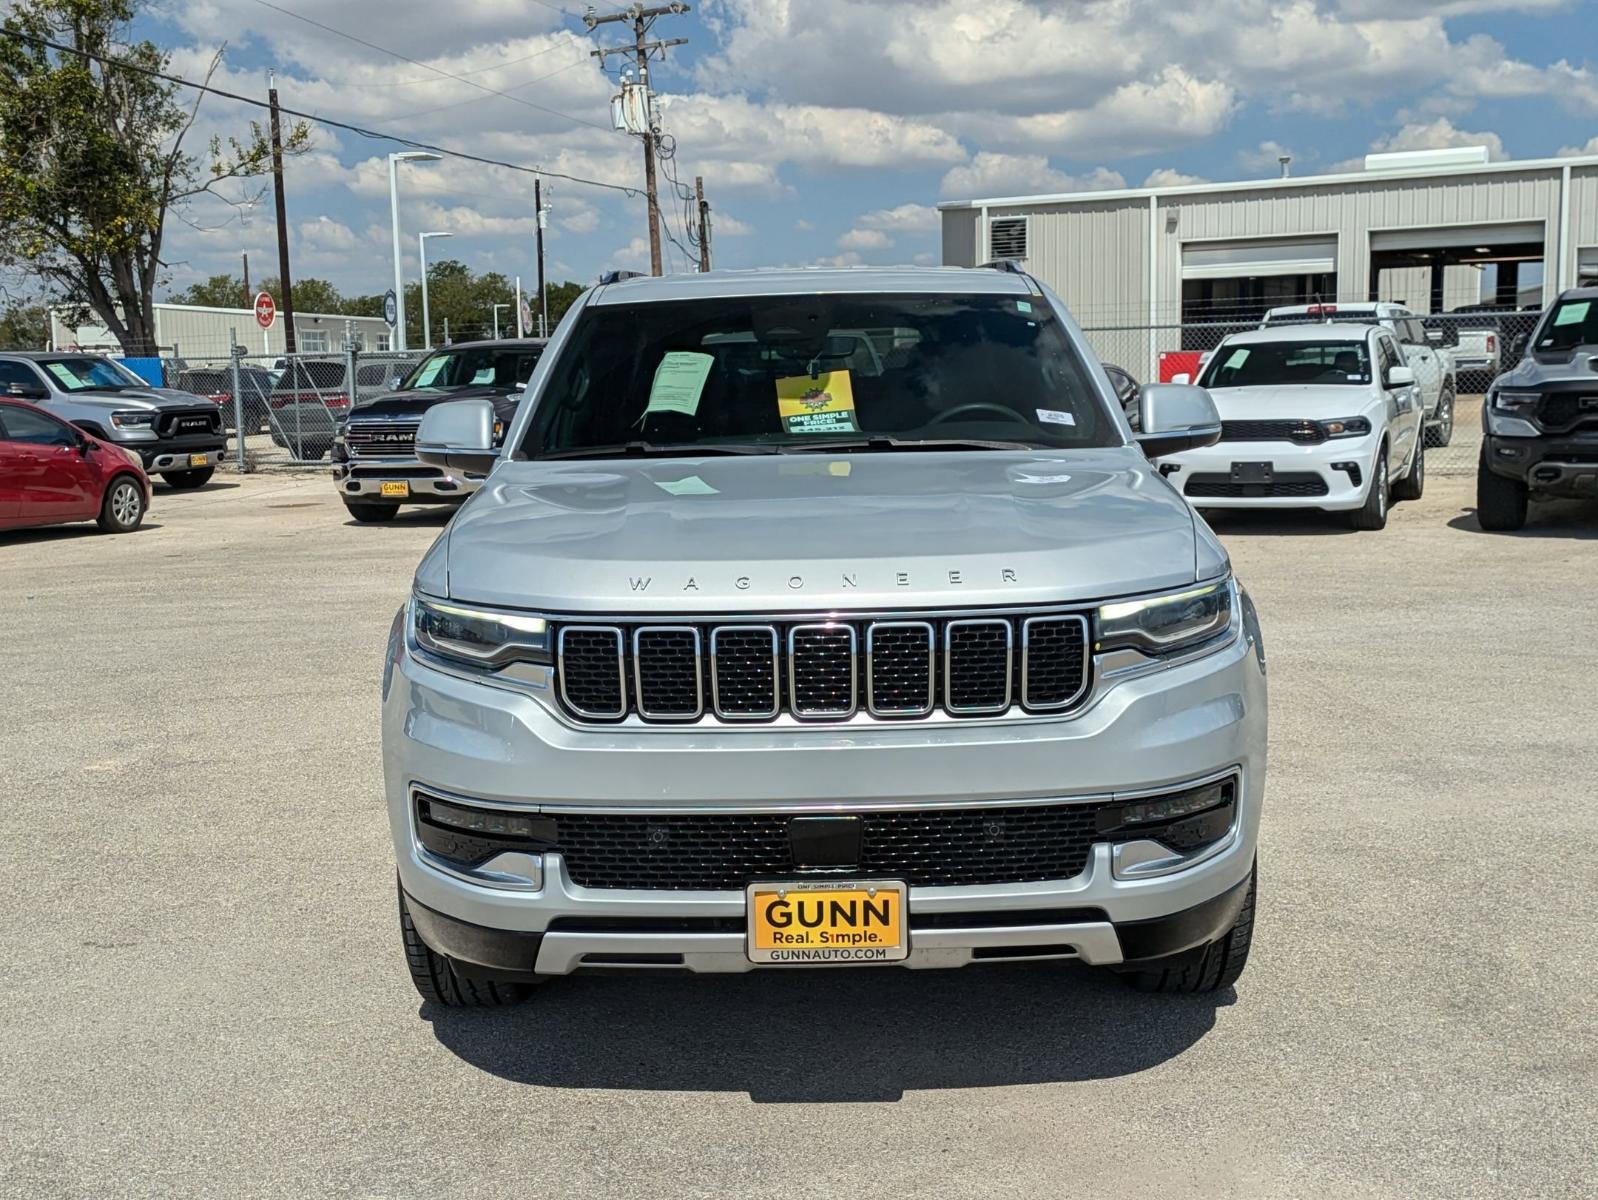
{"points": [[108, 519]]}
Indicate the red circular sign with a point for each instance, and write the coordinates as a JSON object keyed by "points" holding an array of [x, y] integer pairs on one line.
{"points": [[265, 310]]}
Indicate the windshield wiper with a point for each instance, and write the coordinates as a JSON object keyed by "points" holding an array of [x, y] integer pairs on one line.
{"points": [[647, 449], [882, 442]]}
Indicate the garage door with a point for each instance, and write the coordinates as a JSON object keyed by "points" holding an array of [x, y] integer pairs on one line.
{"points": [[1449, 237], [1259, 256]]}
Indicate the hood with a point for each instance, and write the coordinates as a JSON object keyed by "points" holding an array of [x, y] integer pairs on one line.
{"points": [[814, 532], [1312, 402], [141, 398], [416, 401], [1541, 366]]}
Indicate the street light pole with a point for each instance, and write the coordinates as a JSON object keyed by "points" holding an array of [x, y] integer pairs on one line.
{"points": [[497, 307], [421, 253], [393, 211]]}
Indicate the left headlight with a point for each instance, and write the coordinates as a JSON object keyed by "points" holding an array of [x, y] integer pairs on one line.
{"points": [[133, 420], [1515, 401], [1169, 623], [479, 637]]}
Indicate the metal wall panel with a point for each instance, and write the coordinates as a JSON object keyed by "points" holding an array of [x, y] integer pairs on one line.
{"points": [[960, 237]]}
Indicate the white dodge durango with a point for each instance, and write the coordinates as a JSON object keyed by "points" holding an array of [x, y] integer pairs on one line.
{"points": [[1312, 416]]}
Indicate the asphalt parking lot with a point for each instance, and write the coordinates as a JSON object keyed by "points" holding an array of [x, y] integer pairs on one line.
{"points": [[204, 992]]}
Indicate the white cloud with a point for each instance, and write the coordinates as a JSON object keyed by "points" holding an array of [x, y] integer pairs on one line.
{"points": [[992, 174], [1265, 157], [724, 224], [1439, 135], [864, 239], [1136, 118], [906, 218], [1167, 177], [327, 234], [848, 258], [1575, 151], [802, 226], [584, 220]]}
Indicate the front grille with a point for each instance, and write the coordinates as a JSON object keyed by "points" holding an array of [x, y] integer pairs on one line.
{"points": [[824, 671], [188, 422], [379, 438], [1285, 483], [1563, 411], [943, 847], [1305, 433]]}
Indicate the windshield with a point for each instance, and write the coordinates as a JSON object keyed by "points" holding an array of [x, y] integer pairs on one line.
{"points": [[1275, 363], [1571, 323], [90, 374], [784, 372], [483, 366]]}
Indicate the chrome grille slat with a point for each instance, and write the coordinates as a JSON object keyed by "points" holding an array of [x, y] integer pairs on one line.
{"points": [[746, 672], [888, 668], [376, 439], [822, 669], [899, 668]]}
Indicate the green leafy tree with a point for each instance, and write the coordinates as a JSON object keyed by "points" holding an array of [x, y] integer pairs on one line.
{"points": [[311, 295], [24, 326], [94, 159], [219, 291]]}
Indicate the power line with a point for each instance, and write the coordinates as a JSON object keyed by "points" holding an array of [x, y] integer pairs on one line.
{"points": [[475, 71], [427, 112], [360, 41], [375, 135]]}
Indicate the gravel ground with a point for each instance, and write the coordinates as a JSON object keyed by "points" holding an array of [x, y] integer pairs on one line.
{"points": [[205, 993]]}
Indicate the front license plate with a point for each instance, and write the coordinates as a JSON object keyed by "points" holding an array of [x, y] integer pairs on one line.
{"points": [[396, 487], [828, 922], [198, 460], [1251, 472]]}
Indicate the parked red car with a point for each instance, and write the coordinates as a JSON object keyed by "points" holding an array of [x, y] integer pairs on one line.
{"points": [[52, 472]]}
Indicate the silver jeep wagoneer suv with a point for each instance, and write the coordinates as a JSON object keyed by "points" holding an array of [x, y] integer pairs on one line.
{"points": [[823, 618]]}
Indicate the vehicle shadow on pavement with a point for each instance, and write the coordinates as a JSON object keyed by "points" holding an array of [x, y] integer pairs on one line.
{"points": [[407, 520], [1306, 522], [829, 1036], [1577, 519], [66, 533], [164, 489]]}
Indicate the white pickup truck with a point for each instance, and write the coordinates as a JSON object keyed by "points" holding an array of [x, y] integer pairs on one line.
{"points": [[1436, 373]]}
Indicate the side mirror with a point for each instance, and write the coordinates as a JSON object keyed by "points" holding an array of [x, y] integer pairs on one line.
{"points": [[1176, 417], [1436, 337], [458, 436], [27, 391], [1398, 377]]}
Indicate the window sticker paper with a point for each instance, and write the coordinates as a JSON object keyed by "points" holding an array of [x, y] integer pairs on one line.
{"points": [[823, 404]]}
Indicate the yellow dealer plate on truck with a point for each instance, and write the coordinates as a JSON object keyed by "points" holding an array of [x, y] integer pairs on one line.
{"points": [[828, 922], [395, 487]]}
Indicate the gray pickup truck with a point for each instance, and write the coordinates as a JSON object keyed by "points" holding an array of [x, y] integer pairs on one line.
{"points": [[177, 435], [1540, 419], [758, 650]]}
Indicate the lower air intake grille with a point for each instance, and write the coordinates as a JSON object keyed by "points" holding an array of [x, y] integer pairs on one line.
{"points": [[1286, 483]]}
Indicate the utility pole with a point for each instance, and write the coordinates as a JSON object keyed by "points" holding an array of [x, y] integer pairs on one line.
{"points": [[704, 222], [543, 308], [286, 301], [642, 18], [248, 297]]}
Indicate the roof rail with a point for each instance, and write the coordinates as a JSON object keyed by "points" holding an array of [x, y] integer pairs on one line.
{"points": [[1012, 265], [617, 276]]}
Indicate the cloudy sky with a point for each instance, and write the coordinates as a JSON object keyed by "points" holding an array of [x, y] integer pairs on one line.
{"points": [[827, 130]]}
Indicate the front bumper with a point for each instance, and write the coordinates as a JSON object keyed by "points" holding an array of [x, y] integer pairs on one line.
{"points": [[1341, 492], [1565, 466], [363, 479], [178, 454], [459, 737]]}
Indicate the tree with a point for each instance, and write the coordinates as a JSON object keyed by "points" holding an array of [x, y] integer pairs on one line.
{"points": [[311, 295], [93, 159], [559, 297], [24, 326], [219, 291]]}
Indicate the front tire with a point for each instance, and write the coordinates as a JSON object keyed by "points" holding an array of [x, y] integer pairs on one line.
{"points": [[1218, 966], [1372, 515], [436, 980], [122, 509], [371, 512], [1500, 503], [1440, 434], [185, 480], [1413, 485]]}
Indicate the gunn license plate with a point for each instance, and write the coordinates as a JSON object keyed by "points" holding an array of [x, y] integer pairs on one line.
{"points": [[197, 460], [396, 488], [831, 922]]}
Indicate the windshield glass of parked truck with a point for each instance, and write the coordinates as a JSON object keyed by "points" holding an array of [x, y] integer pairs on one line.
{"points": [[783, 372], [1276, 363], [479, 367], [90, 375], [1572, 323]]}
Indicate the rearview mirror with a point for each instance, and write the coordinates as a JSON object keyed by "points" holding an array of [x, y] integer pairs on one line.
{"points": [[1398, 377], [458, 436], [1176, 417]]}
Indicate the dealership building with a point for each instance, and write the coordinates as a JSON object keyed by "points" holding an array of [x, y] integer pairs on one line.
{"points": [[197, 333], [1150, 270]]}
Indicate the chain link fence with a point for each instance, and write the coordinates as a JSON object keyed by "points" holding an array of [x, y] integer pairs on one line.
{"points": [[283, 410]]}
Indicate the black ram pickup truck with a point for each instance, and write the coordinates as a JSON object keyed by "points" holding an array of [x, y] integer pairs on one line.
{"points": [[375, 467]]}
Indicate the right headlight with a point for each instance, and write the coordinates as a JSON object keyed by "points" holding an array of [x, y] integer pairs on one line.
{"points": [[1515, 401], [1167, 623], [479, 637]]}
